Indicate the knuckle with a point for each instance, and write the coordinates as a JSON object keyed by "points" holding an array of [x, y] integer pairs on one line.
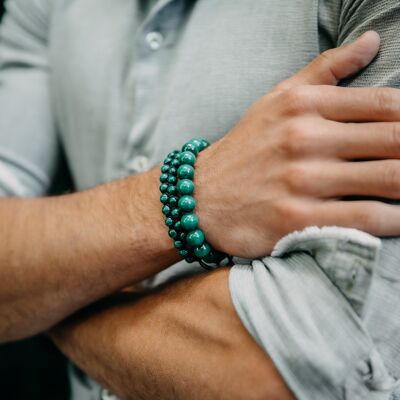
{"points": [[296, 178], [297, 138], [367, 220], [297, 100], [386, 103], [394, 140], [326, 57], [294, 216], [392, 177]]}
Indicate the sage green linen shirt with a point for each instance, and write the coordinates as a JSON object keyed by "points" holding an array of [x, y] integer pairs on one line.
{"points": [[115, 86]]}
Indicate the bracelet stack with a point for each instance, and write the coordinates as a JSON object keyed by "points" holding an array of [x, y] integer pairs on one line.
{"points": [[177, 196]]}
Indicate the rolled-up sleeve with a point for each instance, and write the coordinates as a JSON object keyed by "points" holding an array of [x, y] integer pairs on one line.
{"points": [[28, 140]]}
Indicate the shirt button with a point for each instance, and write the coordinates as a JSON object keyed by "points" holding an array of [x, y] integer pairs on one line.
{"points": [[154, 40], [138, 164], [107, 395]]}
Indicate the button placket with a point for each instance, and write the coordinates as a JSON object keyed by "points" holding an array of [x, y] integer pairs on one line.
{"points": [[147, 81]]}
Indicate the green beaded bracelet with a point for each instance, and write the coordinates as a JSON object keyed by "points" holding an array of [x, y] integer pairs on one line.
{"points": [[178, 205]]}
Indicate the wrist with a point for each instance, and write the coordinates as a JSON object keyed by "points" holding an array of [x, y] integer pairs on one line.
{"points": [[142, 222]]}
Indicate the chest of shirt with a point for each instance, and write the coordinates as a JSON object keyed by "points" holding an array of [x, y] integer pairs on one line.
{"points": [[124, 87]]}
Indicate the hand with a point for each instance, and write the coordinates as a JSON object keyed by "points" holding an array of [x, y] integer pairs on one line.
{"points": [[294, 154]]}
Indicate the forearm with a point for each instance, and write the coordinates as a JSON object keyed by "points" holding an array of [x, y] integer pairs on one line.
{"points": [[182, 342], [60, 254]]}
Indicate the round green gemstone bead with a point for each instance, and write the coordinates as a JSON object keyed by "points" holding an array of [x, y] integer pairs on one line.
{"points": [[173, 233], [168, 160], [187, 157], [189, 222], [200, 143], [185, 186], [190, 147], [187, 203], [171, 179], [175, 213], [197, 142], [171, 189], [195, 238], [182, 236], [175, 162], [169, 221], [178, 244], [164, 198], [178, 226], [164, 187], [172, 154], [172, 171], [163, 178], [165, 168], [204, 144], [183, 253], [202, 251], [166, 210], [173, 201], [190, 259], [185, 171]]}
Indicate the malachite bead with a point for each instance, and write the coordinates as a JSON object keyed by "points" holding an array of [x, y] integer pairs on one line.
{"points": [[171, 179], [178, 244], [202, 251], [164, 198], [175, 162], [187, 157], [173, 154], [172, 171], [175, 213], [163, 178], [185, 171], [178, 226], [189, 222], [190, 147], [183, 253], [197, 143], [204, 144], [182, 236], [168, 160], [164, 187], [200, 143], [169, 221], [195, 238], [166, 210], [171, 189], [173, 233], [185, 186], [190, 259], [173, 201], [165, 168], [187, 203]]}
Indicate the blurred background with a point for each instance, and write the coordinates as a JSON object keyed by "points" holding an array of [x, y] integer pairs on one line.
{"points": [[32, 369]]}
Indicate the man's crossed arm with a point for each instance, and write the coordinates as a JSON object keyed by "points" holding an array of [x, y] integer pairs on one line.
{"points": [[182, 342]]}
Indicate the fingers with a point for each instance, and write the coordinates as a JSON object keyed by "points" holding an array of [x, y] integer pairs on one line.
{"points": [[338, 179], [341, 104], [353, 141], [336, 64], [374, 217]]}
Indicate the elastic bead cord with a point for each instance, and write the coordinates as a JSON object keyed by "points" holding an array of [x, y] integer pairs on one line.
{"points": [[178, 205]]}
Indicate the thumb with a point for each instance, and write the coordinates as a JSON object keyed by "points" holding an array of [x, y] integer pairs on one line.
{"points": [[336, 64]]}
